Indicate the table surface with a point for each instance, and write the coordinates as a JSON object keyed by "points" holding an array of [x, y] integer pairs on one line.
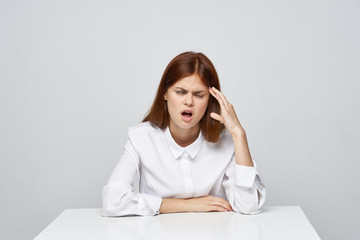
{"points": [[280, 222]]}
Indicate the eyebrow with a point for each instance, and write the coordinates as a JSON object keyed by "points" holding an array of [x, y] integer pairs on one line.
{"points": [[199, 91]]}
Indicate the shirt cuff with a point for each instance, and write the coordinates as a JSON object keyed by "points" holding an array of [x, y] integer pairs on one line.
{"points": [[149, 205], [244, 176]]}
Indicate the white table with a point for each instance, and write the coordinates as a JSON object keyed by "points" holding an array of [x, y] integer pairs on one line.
{"points": [[288, 223]]}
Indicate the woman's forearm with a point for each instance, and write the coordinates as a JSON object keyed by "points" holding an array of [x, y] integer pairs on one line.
{"points": [[198, 204], [242, 152], [172, 205]]}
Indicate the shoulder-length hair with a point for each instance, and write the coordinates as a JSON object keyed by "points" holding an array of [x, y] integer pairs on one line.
{"points": [[183, 65]]}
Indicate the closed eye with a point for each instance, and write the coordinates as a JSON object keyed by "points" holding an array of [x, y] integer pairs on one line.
{"points": [[198, 94]]}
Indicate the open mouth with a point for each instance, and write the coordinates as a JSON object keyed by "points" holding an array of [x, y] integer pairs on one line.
{"points": [[187, 114]]}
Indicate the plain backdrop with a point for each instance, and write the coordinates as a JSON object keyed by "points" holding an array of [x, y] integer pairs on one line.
{"points": [[76, 74]]}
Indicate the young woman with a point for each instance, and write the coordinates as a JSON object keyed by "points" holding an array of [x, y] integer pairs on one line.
{"points": [[190, 153]]}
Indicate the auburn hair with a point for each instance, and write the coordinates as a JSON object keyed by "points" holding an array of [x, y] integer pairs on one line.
{"points": [[184, 65]]}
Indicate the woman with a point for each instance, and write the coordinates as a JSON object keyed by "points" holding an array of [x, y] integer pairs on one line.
{"points": [[190, 153]]}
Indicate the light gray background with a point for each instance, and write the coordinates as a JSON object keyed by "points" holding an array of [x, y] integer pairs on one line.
{"points": [[75, 74]]}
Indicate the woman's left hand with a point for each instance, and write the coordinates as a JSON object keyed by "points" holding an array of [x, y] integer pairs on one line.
{"points": [[227, 113]]}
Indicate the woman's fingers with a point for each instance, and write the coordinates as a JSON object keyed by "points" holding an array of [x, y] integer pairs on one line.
{"points": [[218, 209], [210, 203], [222, 205], [217, 117], [226, 204], [222, 97], [218, 98], [227, 114], [220, 202]]}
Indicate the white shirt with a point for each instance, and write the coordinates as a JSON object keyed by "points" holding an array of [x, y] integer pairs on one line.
{"points": [[155, 163]]}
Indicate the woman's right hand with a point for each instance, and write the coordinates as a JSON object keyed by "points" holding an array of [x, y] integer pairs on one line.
{"points": [[208, 204]]}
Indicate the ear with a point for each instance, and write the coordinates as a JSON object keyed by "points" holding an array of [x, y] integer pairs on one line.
{"points": [[165, 96]]}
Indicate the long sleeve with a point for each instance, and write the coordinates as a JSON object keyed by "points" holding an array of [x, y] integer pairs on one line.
{"points": [[242, 185], [119, 196]]}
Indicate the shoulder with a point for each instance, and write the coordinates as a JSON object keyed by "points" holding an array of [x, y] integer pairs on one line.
{"points": [[144, 137], [143, 126], [222, 149], [143, 130], [225, 142], [225, 137]]}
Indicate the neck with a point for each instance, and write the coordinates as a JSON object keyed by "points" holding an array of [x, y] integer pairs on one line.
{"points": [[184, 137]]}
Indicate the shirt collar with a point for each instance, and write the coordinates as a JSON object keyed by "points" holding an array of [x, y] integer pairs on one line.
{"points": [[177, 150]]}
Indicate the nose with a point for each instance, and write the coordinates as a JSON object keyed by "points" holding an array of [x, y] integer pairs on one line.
{"points": [[189, 100]]}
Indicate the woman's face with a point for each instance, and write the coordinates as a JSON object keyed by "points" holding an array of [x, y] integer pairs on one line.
{"points": [[187, 101]]}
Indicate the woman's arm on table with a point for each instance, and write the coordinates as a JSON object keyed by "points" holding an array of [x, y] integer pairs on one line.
{"points": [[201, 204]]}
